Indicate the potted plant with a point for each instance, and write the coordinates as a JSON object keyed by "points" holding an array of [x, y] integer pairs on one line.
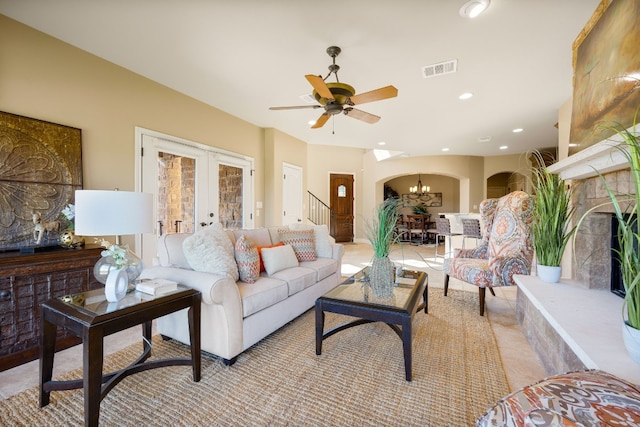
{"points": [[381, 234], [421, 209], [551, 229], [625, 208]]}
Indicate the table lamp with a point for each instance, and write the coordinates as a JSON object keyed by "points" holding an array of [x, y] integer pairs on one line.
{"points": [[114, 213]]}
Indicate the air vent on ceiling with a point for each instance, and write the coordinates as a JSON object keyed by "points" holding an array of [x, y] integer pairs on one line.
{"points": [[440, 68]]}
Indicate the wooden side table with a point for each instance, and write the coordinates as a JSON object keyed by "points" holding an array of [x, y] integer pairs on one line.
{"points": [[89, 316]]}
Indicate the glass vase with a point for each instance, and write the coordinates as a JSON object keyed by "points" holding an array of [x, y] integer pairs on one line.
{"points": [[106, 264]]}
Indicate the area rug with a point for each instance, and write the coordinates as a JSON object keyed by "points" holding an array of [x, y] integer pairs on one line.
{"points": [[357, 381]]}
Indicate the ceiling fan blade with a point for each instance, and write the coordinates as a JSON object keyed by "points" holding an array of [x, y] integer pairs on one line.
{"points": [[374, 95], [296, 107], [361, 115], [321, 121], [319, 85]]}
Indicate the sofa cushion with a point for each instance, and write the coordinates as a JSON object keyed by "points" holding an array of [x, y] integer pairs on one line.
{"points": [[210, 251], [265, 292], [278, 258], [259, 236], [325, 267], [302, 241], [170, 253], [297, 278], [248, 260]]}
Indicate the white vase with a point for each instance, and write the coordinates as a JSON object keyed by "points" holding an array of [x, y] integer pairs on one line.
{"points": [[117, 285], [549, 274], [631, 338]]}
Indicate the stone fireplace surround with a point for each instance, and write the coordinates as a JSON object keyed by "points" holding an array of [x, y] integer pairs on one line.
{"points": [[577, 323]]}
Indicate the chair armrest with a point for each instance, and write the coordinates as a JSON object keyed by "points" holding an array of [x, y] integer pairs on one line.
{"points": [[481, 252], [215, 288], [503, 269]]}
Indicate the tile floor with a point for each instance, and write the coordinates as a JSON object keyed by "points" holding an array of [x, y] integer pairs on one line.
{"points": [[520, 362]]}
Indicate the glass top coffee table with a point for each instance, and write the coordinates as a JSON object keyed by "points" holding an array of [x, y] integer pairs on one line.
{"points": [[90, 316], [354, 297]]}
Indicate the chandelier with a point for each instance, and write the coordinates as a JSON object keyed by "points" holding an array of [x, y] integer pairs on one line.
{"points": [[419, 189]]}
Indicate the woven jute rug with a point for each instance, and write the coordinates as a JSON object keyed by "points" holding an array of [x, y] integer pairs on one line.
{"points": [[357, 381]]}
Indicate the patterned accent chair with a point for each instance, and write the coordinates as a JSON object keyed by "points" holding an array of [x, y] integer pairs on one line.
{"points": [[581, 398], [506, 247]]}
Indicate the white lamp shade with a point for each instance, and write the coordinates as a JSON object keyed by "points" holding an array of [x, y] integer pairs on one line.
{"points": [[113, 213]]}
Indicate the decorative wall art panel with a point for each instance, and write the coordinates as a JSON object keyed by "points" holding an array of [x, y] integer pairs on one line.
{"points": [[606, 69], [40, 169], [427, 199]]}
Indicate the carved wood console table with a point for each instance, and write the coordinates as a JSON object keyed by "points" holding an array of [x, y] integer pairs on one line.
{"points": [[26, 281]]}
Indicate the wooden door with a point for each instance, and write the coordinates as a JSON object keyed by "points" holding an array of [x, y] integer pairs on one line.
{"points": [[341, 201]]}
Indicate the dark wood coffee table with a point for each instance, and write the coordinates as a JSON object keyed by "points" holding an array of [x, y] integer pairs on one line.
{"points": [[354, 297], [89, 316]]}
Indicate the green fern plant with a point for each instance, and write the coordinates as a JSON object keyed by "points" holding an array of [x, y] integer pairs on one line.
{"points": [[551, 229], [381, 230], [625, 208]]}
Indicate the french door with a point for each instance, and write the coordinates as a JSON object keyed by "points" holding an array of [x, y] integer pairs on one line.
{"points": [[193, 186]]}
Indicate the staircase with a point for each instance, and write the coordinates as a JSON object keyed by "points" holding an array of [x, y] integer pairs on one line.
{"points": [[319, 212]]}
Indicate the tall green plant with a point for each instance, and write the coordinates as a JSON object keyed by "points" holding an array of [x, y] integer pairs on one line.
{"points": [[551, 229], [626, 211], [381, 230]]}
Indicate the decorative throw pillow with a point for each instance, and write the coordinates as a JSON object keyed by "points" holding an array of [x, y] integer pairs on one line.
{"points": [[210, 251], [321, 237], [278, 258], [302, 242], [248, 260], [260, 248]]}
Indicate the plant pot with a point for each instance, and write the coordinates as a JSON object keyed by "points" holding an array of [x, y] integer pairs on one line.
{"points": [[550, 274], [631, 338]]}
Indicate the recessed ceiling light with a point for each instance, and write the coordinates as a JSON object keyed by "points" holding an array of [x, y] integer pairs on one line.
{"points": [[484, 139], [504, 147], [465, 95], [311, 122], [473, 8], [517, 130], [382, 143], [445, 149]]}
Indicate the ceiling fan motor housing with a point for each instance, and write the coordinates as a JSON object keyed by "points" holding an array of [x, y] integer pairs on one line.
{"points": [[340, 91]]}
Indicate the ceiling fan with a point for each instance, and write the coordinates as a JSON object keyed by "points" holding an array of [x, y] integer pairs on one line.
{"points": [[338, 97]]}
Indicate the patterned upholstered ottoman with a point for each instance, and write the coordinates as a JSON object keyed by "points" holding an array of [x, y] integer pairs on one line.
{"points": [[582, 398]]}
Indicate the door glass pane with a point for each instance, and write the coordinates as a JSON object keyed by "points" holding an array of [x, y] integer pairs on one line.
{"points": [[176, 194], [230, 200]]}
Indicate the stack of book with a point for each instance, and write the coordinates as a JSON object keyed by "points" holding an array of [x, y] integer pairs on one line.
{"points": [[156, 286]]}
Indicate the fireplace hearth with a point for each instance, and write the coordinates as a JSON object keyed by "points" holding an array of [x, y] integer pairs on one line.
{"points": [[577, 323]]}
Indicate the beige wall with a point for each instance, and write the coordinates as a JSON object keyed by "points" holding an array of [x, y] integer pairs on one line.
{"points": [[44, 78], [564, 128], [449, 187], [281, 148]]}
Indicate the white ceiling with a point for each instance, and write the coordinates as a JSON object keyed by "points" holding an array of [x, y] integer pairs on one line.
{"points": [[244, 56]]}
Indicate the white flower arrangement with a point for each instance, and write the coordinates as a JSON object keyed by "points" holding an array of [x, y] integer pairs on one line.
{"points": [[69, 213], [118, 253]]}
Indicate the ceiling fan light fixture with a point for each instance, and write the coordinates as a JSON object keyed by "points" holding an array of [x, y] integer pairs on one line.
{"points": [[473, 8]]}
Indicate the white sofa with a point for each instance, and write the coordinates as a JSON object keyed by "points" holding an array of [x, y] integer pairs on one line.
{"points": [[236, 315]]}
